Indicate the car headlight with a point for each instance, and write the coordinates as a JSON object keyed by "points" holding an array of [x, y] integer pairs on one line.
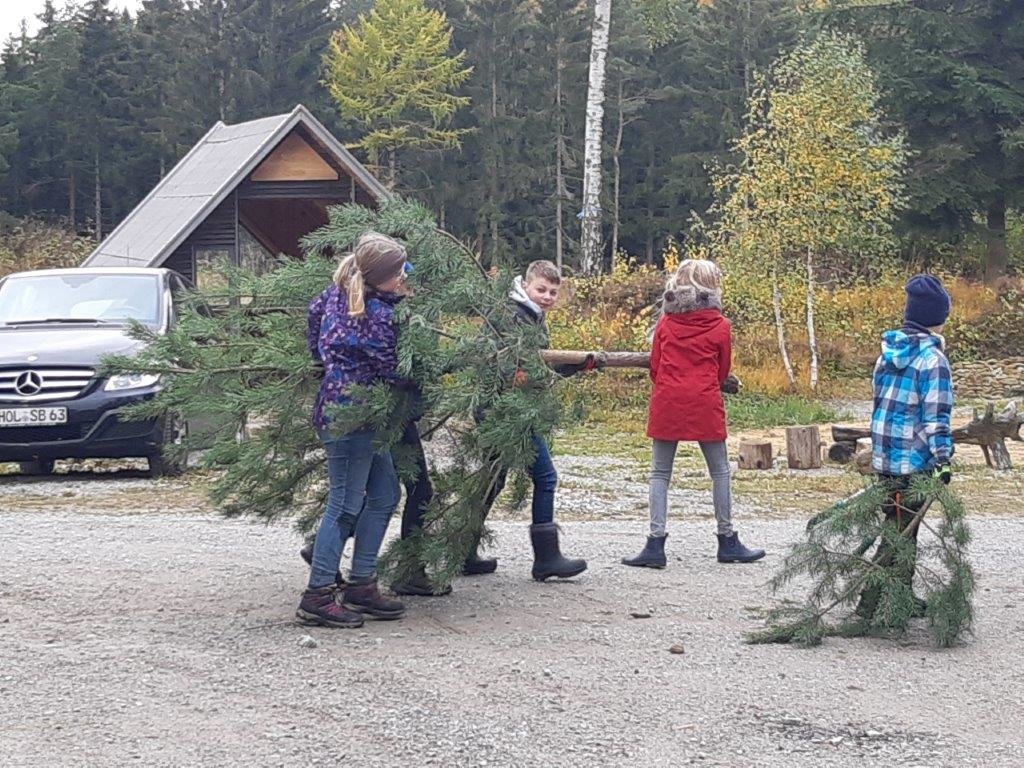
{"points": [[125, 381]]}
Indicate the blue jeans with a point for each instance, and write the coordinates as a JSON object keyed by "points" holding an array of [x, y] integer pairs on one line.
{"points": [[545, 481], [363, 495]]}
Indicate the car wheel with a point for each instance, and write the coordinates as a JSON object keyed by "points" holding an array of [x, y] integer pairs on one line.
{"points": [[37, 467], [174, 432]]}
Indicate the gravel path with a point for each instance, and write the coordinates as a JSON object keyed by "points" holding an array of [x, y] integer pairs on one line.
{"points": [[168, 640]]}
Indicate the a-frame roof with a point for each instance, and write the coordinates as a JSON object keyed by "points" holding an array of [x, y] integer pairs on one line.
{"points": [[201, 181]]}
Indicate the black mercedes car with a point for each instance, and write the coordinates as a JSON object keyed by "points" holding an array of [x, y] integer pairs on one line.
{"points": [[55, 327]]}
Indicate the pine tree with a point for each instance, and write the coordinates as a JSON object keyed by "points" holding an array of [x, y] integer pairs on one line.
{"points": [[460, 343], [854, 556], [393, 72], [953, 73], [102, 106], [162, 115]]}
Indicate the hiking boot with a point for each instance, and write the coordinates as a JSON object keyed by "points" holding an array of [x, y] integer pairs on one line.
{"points": [[320, 606], [479, 566], [547, 557], [306, 553], [364, 597], [418, 583], [652, 555], [731, 550]]}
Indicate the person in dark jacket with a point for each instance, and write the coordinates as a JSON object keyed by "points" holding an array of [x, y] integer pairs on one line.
{"points": [[691, 357], [532, 295]]}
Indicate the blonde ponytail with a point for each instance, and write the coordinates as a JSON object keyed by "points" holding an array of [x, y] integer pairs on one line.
{"points": [[374, 254]]}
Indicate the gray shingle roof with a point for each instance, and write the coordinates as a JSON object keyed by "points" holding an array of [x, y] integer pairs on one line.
{"points": [[201, 180]]}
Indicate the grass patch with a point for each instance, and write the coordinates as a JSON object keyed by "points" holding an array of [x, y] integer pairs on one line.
{"points": [[760, 412]]}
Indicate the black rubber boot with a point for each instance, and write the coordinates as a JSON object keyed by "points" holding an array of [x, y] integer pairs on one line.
{"points": [[479, 566], [731, 550], [306, 553], [547, 557], [419, 584], [652, 556]]}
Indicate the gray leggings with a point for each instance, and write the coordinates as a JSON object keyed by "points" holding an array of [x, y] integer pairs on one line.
{"points": [[716, 455]]}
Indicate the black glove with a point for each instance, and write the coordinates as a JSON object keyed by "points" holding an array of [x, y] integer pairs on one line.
{"points": [[731, 385], [943, 473]]}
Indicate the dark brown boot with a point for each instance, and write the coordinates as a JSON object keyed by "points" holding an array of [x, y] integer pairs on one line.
{"points": [[320, 606], [363, 596]]}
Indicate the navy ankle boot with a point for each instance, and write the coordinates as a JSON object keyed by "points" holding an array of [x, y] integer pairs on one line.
{"points": [[731, 550], [652, 556]]}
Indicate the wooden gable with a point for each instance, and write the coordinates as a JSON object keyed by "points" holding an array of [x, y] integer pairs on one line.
{"points": [[294, 160]]}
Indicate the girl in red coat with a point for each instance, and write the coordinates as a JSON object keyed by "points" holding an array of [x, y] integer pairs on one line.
{"points": [[690, 358]]}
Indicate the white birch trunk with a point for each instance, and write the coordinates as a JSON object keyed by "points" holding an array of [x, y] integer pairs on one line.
{"points": [[812, 335], [617, 179], [590, 240], [559, 152], [780, 327]]}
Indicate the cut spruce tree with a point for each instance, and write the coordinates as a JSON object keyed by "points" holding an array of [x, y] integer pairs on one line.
{"points": [[862, 569], [248, 370]]}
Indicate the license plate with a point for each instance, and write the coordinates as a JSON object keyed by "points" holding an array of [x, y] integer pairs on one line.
{"points": [[32, 417]]}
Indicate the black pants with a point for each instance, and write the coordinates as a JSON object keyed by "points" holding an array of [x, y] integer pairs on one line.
{"points": [[418, 492]]}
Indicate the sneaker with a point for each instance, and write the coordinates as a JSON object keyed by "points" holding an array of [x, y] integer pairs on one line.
{"points": [[320, 606]]}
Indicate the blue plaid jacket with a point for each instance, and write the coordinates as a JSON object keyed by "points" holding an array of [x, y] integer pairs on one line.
{"points": [[910, 429]]}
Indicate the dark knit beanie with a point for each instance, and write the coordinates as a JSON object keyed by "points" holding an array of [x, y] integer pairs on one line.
{"points": [[928, 303]]}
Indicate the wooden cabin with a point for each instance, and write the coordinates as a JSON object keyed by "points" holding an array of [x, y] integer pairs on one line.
{"points": [[245, 192]]}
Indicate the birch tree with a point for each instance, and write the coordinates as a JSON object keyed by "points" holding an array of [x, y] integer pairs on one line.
{"points": [[590, 216], [819, 182]]}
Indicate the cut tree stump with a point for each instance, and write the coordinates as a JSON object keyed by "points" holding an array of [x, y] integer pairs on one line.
{"points": [[756, 455], [803, 447]]}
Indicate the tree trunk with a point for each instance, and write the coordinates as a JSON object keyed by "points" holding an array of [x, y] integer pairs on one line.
{"points": [[995, 256], [559, 151], [590, 241], [780, 326], [803, 447], [756, 455], [72, 194], [812, 335], [392, 167], [493, 170], [97, 197], [649, 195], [617, 178], [748, 63]]}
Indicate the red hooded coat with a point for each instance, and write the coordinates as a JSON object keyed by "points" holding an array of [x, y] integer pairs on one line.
{"points": [[690, 358]]}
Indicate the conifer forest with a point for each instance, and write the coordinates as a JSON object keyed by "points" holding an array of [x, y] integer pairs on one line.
{"points": [[95, 105]]}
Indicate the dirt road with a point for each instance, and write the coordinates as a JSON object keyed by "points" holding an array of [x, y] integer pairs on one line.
{"points": [[166, 638]]}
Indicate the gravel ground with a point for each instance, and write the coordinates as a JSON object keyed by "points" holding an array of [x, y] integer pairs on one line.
{"points": [[164, 636]]}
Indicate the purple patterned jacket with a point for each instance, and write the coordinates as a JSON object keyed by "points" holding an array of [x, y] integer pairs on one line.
{"points": [[354, 350]]}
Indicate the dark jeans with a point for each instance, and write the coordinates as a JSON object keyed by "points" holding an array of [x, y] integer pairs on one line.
{"points": [[362, 497], [418, 492], [545, 481]]}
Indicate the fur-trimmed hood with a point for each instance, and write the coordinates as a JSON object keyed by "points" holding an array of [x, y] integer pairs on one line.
{"points": [[687, 298]]}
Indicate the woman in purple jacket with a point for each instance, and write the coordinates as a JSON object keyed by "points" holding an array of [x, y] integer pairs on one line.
{"points": [[352, 331]]}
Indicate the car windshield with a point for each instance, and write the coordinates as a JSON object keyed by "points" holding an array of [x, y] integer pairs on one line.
{"points": [[70, 298]]}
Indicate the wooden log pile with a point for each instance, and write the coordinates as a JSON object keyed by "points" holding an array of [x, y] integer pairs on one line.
{"points": [[988, 429]]}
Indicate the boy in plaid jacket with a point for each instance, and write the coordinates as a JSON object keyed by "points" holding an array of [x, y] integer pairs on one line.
{"points": [[913, 388]]}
